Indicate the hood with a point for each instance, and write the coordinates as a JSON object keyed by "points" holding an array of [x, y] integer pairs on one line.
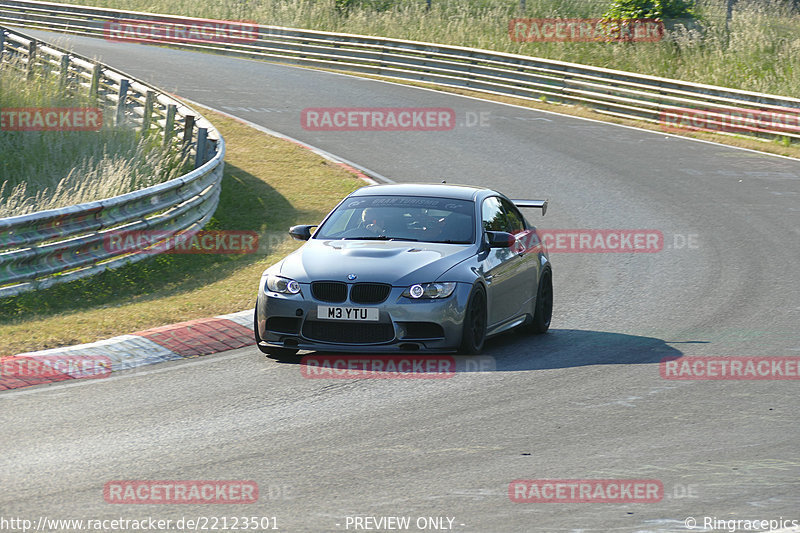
{"points": [[397, 262]]}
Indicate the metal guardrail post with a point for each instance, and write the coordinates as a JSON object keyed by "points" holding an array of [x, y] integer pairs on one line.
{"points": [[202, 146], [64, 72], [728, 14], [188, 129], [94, 85], [169, 124], [188, 134], [148, 111], [2, 42], [211, 148], [119, 118], [31, 58]]}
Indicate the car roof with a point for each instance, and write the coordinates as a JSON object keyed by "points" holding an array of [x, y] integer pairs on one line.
{"points": [[438, 190]]}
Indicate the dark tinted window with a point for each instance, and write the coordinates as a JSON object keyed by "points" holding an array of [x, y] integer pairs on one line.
{"points": [[493, 216], [515, 220], [412, 218]]}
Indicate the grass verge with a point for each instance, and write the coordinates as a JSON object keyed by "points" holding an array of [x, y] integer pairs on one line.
{"points": [[269, 185]]}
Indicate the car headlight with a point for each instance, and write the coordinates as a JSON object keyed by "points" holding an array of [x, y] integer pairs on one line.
{"points": [[282, 285], [430, 290]]}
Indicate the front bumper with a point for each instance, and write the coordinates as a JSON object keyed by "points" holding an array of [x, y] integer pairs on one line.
{"points": [[403, 325]]}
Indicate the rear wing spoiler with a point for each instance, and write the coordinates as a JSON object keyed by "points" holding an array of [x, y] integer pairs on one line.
{"points": [[536, 204]]}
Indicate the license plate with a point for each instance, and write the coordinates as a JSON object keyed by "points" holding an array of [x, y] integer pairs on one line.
{"points": [[326, 312]]}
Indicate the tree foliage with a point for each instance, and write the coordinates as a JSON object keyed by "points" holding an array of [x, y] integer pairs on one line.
{"points": [[651, 9]]}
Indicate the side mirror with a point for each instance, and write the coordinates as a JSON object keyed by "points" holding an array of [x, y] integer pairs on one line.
{"points": [[302, 232], [500, 239]]}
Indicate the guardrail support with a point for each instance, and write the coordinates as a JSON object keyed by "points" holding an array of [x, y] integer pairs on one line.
{"points": [[202, 146], [169, 124], [148, 111], [188, 133], [188, 129], [64, 71], [211, 149], [31, 58], [123, 95], [94, 85], [2, 42]]}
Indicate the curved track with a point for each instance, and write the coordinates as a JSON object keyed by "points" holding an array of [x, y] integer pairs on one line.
{"points": [[585, 401]]}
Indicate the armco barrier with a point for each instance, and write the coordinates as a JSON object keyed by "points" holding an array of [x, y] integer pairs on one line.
{"points": [[40, 249], [623, 94]]}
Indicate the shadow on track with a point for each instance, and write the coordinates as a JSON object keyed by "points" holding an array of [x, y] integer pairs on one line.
{"points": [[562, 348], [559, 348]]}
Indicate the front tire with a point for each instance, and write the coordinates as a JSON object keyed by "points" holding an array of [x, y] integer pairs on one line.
{"points": [[544, 304], [474, 332]]}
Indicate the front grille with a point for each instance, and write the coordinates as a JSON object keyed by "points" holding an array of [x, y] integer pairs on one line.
{"points": [[360, 293], [369, 293], [329, 291], [347, 332], [422, 330], [283, 324]]}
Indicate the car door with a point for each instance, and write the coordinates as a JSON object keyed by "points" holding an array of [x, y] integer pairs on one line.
{"points": [[498, 266], [525, 271]]}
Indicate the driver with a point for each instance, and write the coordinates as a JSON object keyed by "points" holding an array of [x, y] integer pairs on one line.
{"points": [[373, 220]]}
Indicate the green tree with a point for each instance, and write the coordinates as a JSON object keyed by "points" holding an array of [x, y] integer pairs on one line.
{"points": [[651, 9]]}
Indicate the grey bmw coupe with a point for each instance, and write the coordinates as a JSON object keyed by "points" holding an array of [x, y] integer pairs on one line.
{"points": [[408, 268]]}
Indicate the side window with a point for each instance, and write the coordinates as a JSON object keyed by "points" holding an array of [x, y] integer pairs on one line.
{"points": [[492, 215], [515, 220]]}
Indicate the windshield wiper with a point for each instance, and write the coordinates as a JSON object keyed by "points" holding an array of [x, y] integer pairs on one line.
{"points": [[378, 238], [450, 241]]}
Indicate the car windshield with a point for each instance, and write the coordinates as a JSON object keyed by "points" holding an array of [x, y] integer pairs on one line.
{"points": [[401, 218]]}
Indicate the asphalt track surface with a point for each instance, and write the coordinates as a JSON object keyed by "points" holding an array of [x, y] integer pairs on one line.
{"points": [[585, 401]]}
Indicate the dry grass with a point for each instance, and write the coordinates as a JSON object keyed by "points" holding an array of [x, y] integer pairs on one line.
{"points": [[49, 169]]}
